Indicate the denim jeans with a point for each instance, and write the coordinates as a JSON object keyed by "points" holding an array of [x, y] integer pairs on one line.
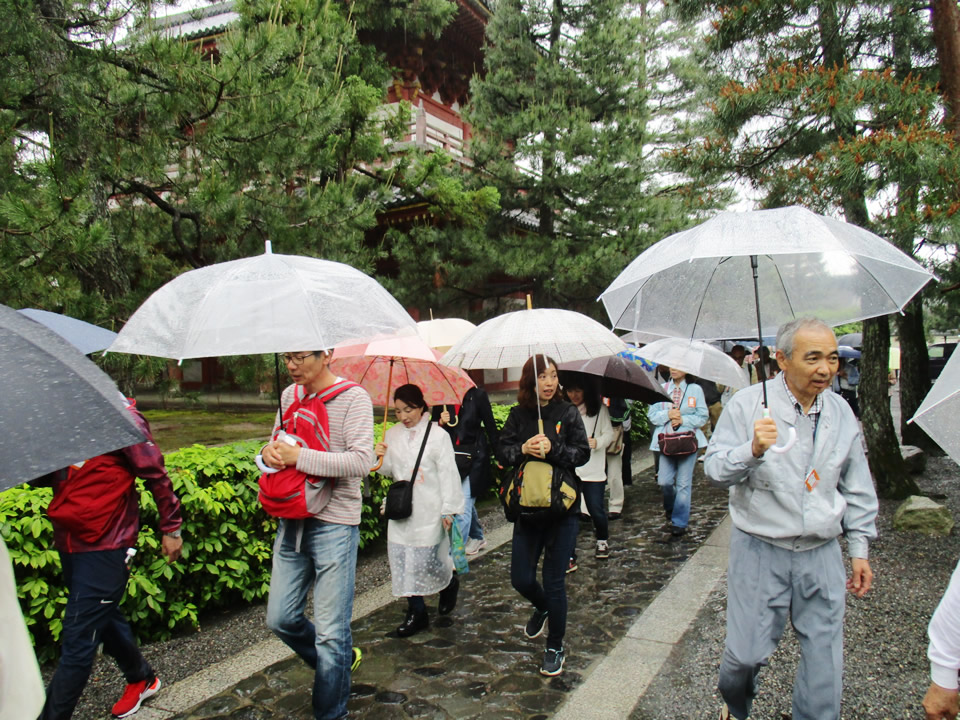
{"points": [[555, 541], [327, 561], [469, 521], [593, 495], [96, 582], [675, 478]]}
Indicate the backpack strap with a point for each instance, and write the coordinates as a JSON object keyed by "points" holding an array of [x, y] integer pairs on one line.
{"points": [[338, 387]]}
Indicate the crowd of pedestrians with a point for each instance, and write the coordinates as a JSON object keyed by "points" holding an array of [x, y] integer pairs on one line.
{"points": [[788, 510]]}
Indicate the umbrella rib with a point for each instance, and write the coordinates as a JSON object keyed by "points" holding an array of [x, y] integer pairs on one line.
{"points": [[703, 297], [874, 277], [935, 405], [793, 313]]}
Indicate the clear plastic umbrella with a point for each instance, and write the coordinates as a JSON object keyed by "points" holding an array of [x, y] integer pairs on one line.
{"points": [[265, 304], [697, 358], [85, 337], [743, 274], [939, 413]]}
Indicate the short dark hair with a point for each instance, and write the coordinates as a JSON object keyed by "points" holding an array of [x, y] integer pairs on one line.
{"points": [[573, 380], [527, 387], [412, 395]]}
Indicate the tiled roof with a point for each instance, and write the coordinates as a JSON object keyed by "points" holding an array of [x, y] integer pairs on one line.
{"points": [[202, 22]]}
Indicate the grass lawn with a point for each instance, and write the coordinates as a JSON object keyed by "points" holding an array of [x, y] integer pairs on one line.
{"points": [[174, 429]]}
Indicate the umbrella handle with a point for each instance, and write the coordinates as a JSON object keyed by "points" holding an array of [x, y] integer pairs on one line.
{"points": [[456, 419], [791, 438], [377, 466]]}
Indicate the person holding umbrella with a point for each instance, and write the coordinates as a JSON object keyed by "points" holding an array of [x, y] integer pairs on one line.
{"points": [[788, 509], [419, 546], [95, 515], [321, 550], [543, 427], [686, 412]]}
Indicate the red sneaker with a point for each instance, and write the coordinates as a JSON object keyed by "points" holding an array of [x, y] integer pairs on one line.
{"points": [[134, 695]]}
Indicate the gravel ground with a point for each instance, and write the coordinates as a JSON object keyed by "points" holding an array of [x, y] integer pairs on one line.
{"points": [[885, 668], [223, 635]]}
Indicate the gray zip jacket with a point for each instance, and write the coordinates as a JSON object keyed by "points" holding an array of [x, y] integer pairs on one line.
{"points": [[769, 496]]}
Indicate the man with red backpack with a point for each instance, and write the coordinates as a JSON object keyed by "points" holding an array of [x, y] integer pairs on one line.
{"points": [[96, 518], [318, 501]]}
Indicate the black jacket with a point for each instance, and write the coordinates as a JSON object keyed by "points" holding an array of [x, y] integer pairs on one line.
{"points": [[561, 424], [475, 426]]}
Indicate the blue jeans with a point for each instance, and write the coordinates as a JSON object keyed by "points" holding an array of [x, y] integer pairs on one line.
{"points": [[469, 521], [555, 541], [675, 478], [327, 561], [593, 495], [96, 582]]}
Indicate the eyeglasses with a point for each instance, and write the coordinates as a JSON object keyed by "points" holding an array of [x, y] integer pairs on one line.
{"points": [[297, 360]]}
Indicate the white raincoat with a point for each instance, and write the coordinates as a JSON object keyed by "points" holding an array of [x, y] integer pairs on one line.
{"points": [[418, 547]]}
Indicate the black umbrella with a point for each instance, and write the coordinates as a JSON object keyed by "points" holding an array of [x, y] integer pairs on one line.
{"points": [[854, 340], [619, 378], [58, 407]]}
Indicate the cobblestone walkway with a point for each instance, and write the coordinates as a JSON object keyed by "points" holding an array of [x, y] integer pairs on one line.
{"points": [[476, 662]]}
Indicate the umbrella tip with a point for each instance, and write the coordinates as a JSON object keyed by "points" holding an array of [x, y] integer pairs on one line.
{"points": [[269, 247]]}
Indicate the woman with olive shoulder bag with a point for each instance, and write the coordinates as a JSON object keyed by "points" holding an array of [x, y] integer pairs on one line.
{"points": [[677, 437]]}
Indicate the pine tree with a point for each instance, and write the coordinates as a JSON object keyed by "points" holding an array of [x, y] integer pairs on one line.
{"points": [[569, 116]]}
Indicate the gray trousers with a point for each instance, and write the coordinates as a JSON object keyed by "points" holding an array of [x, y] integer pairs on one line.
{"points": [[764, 584]]}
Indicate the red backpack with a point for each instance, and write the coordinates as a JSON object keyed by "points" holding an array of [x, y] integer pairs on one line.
{"points": [[291, 493]]}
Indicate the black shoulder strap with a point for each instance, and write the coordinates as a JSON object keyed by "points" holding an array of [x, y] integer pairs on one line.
{"points": [[423, 445]]}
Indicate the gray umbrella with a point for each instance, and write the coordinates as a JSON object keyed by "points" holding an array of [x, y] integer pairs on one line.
{"points": [[58, 407], [84, 336]]}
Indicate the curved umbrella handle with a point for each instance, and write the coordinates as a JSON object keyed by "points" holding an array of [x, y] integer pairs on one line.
{"points": [[377, 466], [791, 437], [456, 419]]}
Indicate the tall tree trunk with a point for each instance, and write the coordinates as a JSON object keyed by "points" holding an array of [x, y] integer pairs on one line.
{"points": [[914, 374], [945, 18], [886, 463]]}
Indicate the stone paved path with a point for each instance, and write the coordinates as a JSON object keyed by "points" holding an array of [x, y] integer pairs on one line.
{"points": [[476, 661]]}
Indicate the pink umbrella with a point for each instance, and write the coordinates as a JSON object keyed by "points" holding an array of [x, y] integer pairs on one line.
{"points": [[383, 364]]}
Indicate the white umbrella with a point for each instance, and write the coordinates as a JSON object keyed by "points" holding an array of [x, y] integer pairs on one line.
{"points": [[939, 413], [443, 333], [699, 283], [509, 340], [264, 304], [697, 358]]}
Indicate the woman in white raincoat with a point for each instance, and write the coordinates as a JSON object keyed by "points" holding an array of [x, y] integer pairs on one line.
{"points": [[418, 547]]}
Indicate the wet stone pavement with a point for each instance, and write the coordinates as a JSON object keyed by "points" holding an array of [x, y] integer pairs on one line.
{"points": [[476, 661]]}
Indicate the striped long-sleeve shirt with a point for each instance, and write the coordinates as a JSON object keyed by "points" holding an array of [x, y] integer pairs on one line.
{"points": [[350, 457]]}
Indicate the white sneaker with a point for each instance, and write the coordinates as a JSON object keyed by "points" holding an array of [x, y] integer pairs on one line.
{"points": [[474, 546]]}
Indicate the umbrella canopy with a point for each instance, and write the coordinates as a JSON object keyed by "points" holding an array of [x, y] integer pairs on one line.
{"points": [[58, 407], [699, 283], [854, 340], [84, 336], [379, 373], [443, 333], [939, 413], [696, 358], [264, 304], [620, 378], [509, 340], [845, 351]]}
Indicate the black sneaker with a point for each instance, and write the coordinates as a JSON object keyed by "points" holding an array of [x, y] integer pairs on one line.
{"points": [[448, 596], [413, 623], [536, 624], [552, 662]]}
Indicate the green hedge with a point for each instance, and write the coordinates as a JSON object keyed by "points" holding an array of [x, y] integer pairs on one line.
{"points": [[227, 547]]}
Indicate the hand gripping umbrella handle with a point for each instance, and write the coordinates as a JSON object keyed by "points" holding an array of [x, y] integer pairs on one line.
{"points": [[791, 437], [259, 458]]}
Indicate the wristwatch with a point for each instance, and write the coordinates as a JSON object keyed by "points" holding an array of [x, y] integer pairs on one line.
{"points": [[173, 533]]}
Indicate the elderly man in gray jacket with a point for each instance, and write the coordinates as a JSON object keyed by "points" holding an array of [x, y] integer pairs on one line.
{"points": [[788, 510]]}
